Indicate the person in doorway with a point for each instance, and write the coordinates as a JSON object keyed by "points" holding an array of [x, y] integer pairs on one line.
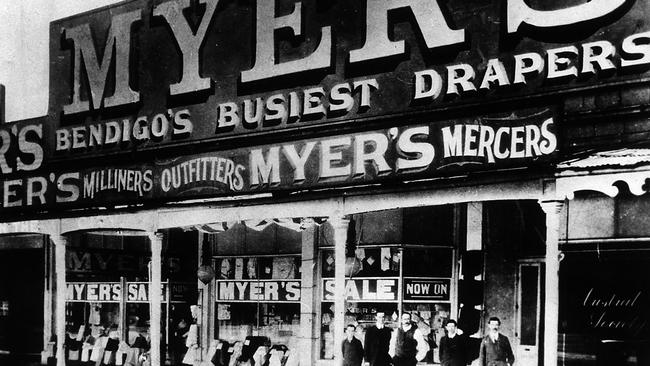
{"points": [[178, 340], [407, 344], [352, 348], [453, 346], [495, 347], [376, 342]]}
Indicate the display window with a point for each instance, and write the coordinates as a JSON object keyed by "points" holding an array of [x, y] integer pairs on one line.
{"points": [[258, 296], [604, 305], [107, 297], [391, 279]]}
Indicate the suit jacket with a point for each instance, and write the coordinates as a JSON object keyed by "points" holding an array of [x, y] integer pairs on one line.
{"points": [[376, 344], [495, 353], [352, 352], [453, 351]]}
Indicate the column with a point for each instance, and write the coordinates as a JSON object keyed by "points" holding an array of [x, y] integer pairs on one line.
{"points": [[49, 312], [308, 296], [340, 225], [552, 298], [207, 298], [155, 298], [60, 243]]}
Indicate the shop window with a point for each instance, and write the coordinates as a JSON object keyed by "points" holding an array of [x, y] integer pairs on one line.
{"points": [[107, 294], [258, 297], [430, 319], [264, 238], [364, 262], [428, 262], [279, 323], [389, 279], [605, 305]]}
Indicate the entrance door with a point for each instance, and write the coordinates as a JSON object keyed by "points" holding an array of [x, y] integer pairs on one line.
{"points": [[529, 294], [21, 306]]}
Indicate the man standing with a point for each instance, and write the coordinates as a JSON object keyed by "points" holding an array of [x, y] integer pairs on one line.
{"points": [[352, 349], [495, 347], [407, 344], [453, 347], [377, 342]]}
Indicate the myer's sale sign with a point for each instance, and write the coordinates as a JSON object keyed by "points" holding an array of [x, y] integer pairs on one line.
{"points": [[258, 290], [367, 289], [136, 292]]}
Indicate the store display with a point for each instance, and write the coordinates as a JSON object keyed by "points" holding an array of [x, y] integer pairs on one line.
{"points": [[239, 268], [284, 268], [226, 269], [251, 268]]}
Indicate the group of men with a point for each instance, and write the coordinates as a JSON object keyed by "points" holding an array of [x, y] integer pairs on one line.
{"points": [[406, 346]]}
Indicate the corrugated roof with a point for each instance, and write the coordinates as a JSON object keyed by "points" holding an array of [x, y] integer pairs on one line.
{"points": [[614, 158]]}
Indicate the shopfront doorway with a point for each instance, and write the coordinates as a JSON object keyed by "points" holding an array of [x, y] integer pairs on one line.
{"points": [[21, 304], [530, 292]]}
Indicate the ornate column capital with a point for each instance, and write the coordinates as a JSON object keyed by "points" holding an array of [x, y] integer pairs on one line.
{"points": [[553, 207], [155, 235], [339, 221]]}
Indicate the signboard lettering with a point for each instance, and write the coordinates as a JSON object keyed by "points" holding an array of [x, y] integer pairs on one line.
{"points": [[427, 289], [615, 310], [260, 290], [429, 20], [371, 289], [406, 152], [317, 69], [136, 292], [20, 148]]}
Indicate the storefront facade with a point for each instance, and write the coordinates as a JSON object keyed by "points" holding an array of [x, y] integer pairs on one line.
{"points": [[332, 161]]}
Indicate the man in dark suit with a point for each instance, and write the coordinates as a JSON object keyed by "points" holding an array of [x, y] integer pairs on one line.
{"points": [[453, 347], [352, 348], [495, 347], [376, 342]]}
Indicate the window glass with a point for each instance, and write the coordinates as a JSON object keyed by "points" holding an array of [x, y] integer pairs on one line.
{"points": [[365, 262], [258, 297], [432, 262], [430, 319]]}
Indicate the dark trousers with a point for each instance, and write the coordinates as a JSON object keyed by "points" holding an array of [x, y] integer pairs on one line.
{"points": [[403, 361], [497, 363], [453, 363], [385, 362]]}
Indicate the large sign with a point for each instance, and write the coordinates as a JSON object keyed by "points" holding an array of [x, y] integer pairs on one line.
{"points": [[258, 291], [364, 289], [136, 292], [417, 151], [143, 74]]}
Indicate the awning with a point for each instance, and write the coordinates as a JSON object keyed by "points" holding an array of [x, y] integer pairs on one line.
{"points": [[601, 171]]}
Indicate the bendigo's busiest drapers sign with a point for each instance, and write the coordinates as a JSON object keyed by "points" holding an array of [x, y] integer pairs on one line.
{"points": [[142, 74], [147, 75], [400, 153]]}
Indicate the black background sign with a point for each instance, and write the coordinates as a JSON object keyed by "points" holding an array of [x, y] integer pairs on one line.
{"points": [[150, 58], [427, 289]]}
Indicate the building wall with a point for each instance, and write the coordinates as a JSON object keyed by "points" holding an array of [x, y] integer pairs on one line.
{"points": [[500, 265]]}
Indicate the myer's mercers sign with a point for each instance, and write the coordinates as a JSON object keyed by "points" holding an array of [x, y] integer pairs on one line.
{"points": [[410, 152]]}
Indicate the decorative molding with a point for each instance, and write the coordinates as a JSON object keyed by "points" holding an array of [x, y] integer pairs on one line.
{"points": [[566, 187]]}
